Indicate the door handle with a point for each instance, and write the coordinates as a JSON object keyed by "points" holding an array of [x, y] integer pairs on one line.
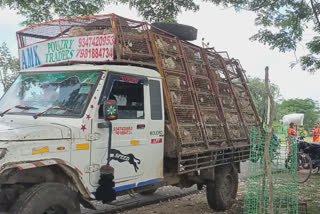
{"points": [[141, 126], [103, 125]]}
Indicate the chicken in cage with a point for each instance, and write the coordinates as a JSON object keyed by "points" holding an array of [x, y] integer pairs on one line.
{"points": [[215, 133], [210, 133], [210, 117], [249, 118], [227, 102], [193, 69], [78, 31], [196, 68], [186, 135], [169, 63], [174, 82], [176, 97], [232, 117], [236, 132]]}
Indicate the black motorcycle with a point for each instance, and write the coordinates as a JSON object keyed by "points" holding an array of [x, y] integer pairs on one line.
{"points": [[312, 150], [308, 159]]}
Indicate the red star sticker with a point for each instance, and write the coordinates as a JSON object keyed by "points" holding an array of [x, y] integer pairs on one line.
{"points": [[83, 127], [91, 106], [88, 116]]}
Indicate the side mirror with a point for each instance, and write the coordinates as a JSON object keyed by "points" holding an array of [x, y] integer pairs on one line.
{"points": [[110, 110]]}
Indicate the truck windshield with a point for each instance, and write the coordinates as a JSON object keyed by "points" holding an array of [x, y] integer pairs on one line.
{"points": [[40, 92]]}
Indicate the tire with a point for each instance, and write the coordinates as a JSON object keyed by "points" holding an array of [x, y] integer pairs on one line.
{"points": [[148, 192], [222, 192], [46, 197], [183, 32], [304, 167], [315, 170]]}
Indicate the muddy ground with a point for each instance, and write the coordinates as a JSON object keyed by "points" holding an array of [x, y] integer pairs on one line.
{"points": [[309, 194], [192, 204], [196, 203]]}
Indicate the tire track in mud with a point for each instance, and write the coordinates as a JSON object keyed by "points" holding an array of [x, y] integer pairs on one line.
{"points": [[127, 202], [163, 194]]}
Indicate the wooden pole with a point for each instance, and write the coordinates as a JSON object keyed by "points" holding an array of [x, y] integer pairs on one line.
{"points": [[267, 143]]}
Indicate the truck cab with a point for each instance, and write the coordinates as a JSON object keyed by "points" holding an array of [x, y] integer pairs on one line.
{"points": [[57, 110]]}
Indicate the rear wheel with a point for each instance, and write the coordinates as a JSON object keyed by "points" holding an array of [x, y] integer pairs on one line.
{"points": [[222, 192], [304, 167], [315, 170], [47, 198]]}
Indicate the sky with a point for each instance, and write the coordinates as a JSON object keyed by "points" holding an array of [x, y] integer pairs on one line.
{"points": [[225, 30]]}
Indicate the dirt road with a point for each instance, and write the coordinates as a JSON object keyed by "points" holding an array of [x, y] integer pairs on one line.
{"points": [[194, 201], [192, 204]]}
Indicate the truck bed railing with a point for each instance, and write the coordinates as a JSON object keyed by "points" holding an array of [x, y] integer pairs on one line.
{"points": [[206, 96]]}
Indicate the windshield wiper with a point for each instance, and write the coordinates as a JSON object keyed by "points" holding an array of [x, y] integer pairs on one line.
{"points": [[18, 107], [48, 109], [25, 107]]}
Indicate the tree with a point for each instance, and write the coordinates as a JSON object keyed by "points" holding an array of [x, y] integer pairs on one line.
{"points": [[36, 11], [9, 67], [282, 22], [257, 91], [308, 107], [160, 10]]}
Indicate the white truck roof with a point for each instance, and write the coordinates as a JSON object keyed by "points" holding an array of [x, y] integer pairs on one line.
{"points": [[134, 70]]}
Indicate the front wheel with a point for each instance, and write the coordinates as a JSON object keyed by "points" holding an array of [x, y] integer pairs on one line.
{"points": [[222, 192], [47, 198]]}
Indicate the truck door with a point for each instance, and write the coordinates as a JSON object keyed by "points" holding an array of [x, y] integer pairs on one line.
{"points": [[155, 149], [129, 131]]}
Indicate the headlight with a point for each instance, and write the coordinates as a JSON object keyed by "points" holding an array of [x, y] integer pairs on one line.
{"points": [[3, 153]]}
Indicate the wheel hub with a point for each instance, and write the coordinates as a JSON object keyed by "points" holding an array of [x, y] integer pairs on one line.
{"points": [[55, 210]]}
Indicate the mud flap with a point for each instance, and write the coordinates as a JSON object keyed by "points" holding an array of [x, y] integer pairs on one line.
{"points": [[105, 191]]}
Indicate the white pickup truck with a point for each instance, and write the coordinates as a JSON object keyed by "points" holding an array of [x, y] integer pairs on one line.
{"points": [[91, 117]]}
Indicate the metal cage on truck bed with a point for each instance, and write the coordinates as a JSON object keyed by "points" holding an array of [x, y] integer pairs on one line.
{"points": [[208, 103]]}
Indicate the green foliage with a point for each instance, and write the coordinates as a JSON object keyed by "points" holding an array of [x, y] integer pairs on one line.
{"points": [[257, 90], [159, 10], [36, 11], [311, 61], [282, 22], [302, 130], [309, 107], [9, 67]]}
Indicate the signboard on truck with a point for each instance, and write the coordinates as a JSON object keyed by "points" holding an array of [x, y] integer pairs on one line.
{"points": [[87, 48]]}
